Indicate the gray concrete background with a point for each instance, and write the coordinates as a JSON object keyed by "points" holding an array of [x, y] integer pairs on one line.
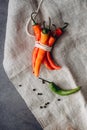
{"points": [[14, 114]]}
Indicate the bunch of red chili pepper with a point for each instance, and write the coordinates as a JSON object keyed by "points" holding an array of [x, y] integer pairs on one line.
{"points": [[45, 37]]}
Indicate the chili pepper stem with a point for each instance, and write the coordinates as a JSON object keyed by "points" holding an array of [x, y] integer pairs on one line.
{"points": [[44, 24], [54, 26], [65, 26], [44, 80], [49, 23]]}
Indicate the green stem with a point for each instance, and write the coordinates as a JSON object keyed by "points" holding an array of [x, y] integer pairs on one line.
{"points": [[44, 24], [54, 34], [54, 26], [65, 26], [45, 30], [44, 80], [49, 23]]}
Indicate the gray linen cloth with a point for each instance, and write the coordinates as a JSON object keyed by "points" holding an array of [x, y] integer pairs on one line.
{"points": [[70, 52]]}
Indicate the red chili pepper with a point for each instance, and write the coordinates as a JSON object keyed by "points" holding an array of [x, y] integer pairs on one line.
{"points": [[58, 32], [51, 41], [47, 64], [46, 61]]}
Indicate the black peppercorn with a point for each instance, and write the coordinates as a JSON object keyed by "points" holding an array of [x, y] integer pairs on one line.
{"points": [[47, 103], [58, 99], [20, 85], [34, 89], [45, 106], [41, 107], [40, 93]]}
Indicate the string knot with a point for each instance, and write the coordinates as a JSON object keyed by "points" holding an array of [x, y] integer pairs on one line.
{"points": [[42, 46]]}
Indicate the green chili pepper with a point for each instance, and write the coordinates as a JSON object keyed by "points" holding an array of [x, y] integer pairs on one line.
{"points": [[56, 89]]}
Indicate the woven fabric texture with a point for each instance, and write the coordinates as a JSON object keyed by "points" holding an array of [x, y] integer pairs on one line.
{"points": [[70, 51]]}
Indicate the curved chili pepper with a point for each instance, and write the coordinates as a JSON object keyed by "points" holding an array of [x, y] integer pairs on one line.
{"points": [[51, 41], [58, 32], [46, 63], [57, 90], [50, 60]]}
